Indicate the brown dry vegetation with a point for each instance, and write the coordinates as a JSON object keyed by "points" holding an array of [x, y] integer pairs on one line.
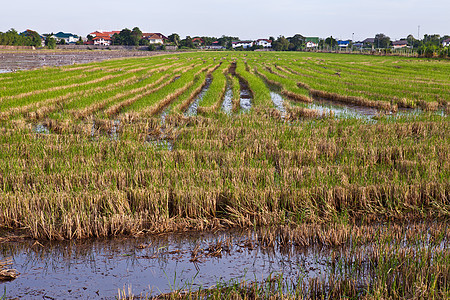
{"points": [[222, 172]]}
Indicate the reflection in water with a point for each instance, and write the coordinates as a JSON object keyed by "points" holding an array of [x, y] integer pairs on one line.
{"points": [[343, 110], [277, 100], [227, 104], [89, 269], [192, 109], [41, 128], [163, 263], [245, 97]]}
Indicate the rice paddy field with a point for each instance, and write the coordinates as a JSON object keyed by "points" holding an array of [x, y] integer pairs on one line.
{"points": [[341, 160]]}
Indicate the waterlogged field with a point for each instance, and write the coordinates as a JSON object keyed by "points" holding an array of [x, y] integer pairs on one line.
{"points": [[339, 165]]}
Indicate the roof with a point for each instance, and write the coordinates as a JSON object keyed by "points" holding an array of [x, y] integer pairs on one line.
{"points": [[446, 40], [369, 40], [242, 42], [63, 35], [154, 35], [314, 40], [259, 40], [401, 42], [103, 33], [105, 37]]}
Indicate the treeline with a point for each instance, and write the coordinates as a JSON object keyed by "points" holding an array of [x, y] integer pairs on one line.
{"points": [[27, 38]]}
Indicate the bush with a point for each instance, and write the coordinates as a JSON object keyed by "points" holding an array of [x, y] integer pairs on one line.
{"points": [[429, 52], [151, 48]]}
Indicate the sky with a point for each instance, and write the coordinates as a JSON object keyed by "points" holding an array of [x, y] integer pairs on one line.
{"points": [[246, 19]]}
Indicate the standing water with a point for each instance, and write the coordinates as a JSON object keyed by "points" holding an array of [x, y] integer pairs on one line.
{"points": [[192, 109], [246, 96], [227, 104]]}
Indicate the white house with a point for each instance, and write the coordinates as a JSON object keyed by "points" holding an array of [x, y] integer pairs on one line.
{"points": [[67, 37], [243, 44], [312, 42], [263, 42], [446, 43], [154, 38], [102, 40]]}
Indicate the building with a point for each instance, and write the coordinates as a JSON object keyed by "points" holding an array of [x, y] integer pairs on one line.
{"points": [[400, 44], [312, 42], [103, 33], [103, 38], [198, 41], [215, 46], [68, 38], [243, 44], [154, 38], [343, 44], [446, 43], [263, 42]]}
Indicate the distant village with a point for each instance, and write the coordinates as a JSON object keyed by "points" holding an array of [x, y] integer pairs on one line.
{"points": [[158, 41]]}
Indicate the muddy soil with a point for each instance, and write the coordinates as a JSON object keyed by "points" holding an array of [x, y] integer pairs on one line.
{"points": [[11, 61]]}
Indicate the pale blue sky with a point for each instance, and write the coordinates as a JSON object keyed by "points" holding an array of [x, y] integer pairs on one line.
{"points": [[248, 19]]}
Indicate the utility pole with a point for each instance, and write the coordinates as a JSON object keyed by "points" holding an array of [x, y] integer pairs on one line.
{"points": [[353, 34], [418, 32]]}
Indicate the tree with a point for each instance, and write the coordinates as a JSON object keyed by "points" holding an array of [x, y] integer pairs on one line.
{"points": [[136, 36], [382, 41], [124, 38], [144, 42], [187, 43], [331, 42], [296, 42], [50, 42], [432, 40], [281, 44], [174, 38], [80, 41], [34, 39]]}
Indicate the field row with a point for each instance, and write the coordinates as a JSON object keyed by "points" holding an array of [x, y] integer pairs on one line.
{"points": [[240, 171], [144, 87]]}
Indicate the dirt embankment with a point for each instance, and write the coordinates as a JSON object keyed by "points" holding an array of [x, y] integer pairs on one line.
{"points": [[25, 60]]}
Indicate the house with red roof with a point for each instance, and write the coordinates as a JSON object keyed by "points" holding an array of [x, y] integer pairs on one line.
{"points": [[103, 38], [154, 38], [264, 42]]}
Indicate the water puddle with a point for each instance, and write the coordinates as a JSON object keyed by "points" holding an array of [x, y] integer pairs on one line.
{"points": [[278, 100], [227, 104], [246, 96], [110, 128], [342, 110], [41, 129], [160, 140], [192, 109], [97, 269]]}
